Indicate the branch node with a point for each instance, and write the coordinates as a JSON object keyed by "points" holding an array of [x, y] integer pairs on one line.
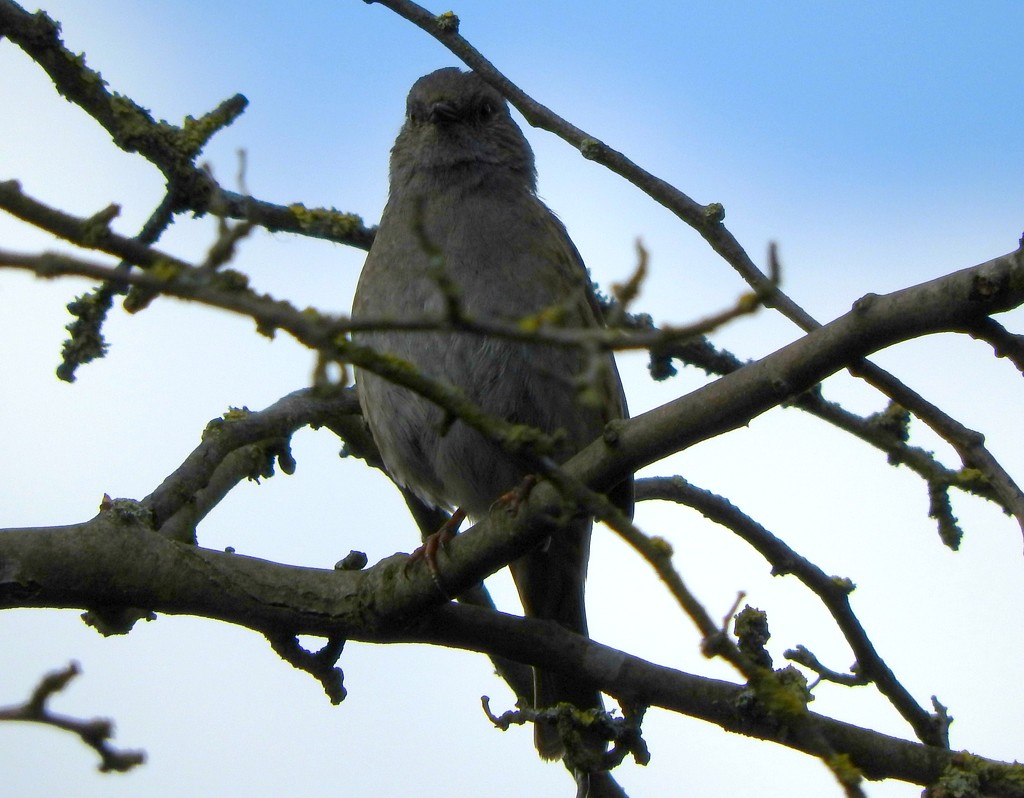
{"points": [[580, 729], [319, 664], [447, 22]]}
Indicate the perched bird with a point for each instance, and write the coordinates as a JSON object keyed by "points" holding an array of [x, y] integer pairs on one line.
{"points": [[463, 207]]}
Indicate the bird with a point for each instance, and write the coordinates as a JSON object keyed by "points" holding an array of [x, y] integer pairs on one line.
{"points": [[463, 220]]}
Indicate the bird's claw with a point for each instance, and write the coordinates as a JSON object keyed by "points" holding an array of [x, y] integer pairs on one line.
{"points": [[435, 541], [511, 500]]}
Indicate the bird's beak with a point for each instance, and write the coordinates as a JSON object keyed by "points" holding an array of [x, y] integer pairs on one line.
{"points": [[442, 112]]}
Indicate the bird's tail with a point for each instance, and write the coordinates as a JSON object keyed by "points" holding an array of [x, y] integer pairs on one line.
{"points": [[550, 583]]}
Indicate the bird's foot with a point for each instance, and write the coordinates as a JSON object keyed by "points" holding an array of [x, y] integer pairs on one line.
{"points": [[437, 540], [515, 497]]}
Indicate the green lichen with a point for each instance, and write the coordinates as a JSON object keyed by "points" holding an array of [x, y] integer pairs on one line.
{"points": [[230, 280], [129, 511], [86, 342], [327, 222], [88, 76], [447, 22], [714, 213], [991, 778], [783, 693], [894, 420], [194, 133], [236, 413], [96, 229], [216, 425], [522, 437], [134, 125], [956, 784], [940, 508], [972, 479], [590, 149], [662, 547], [749, 302], [164, 270], [312, 315], [793, 681], [751, 630], [844, 770], [552, 315], [843, 583]]}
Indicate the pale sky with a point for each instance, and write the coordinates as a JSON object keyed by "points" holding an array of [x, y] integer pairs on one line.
{"points": [[879, 144]]}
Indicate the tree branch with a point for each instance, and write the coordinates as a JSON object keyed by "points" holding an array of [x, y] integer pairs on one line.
{"points": [[266, 429], [48, 569], [172, 149], [833, 592], [1003, 342], [947, 303], [881, 430], [95, 733], [128, 563]]}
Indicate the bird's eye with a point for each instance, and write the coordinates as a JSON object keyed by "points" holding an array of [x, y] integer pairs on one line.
{"points": [[486, 110]]}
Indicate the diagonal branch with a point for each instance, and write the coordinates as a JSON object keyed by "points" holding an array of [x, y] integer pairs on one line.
{"points": [[182, 491], [707, 220], [832, 591], [1003, 342], [887, 431], [945, 304], [172, 149]]}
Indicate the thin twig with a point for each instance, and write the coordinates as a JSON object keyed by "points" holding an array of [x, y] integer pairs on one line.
{"points": [[95, 733], [833, 591], [1003, 342], [184, 492]]}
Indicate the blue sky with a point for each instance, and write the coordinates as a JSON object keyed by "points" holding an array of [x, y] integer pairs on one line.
{"points": [[879, 144]]}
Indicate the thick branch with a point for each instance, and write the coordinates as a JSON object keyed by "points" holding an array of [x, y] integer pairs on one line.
{"points": [[113, 560], [1003, 342], [886, 431], [632, 679], [946, 303]]}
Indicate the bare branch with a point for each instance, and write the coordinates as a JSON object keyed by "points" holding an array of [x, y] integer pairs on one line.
{"points": [[95, 733], [141, 567], [833, 591], [947, 303], [803, 656], [1003, 342], [172, 149], [266, 430], [319, 664]]}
